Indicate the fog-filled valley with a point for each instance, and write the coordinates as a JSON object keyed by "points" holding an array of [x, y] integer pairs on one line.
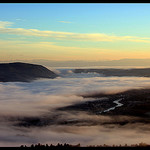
{"points": [[72, 108]]}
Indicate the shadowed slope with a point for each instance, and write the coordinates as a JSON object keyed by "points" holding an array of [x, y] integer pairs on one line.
{"points": [[24, 72]]}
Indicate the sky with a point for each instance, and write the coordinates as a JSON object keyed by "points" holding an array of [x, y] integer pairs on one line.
{"points": [[74, 31]]}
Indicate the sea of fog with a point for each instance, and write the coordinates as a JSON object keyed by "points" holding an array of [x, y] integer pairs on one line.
{"points": [[40, 98]]}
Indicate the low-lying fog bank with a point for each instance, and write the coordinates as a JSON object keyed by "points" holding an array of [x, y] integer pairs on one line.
{"points": [[37, 102]]}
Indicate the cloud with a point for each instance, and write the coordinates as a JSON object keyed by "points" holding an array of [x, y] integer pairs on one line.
{"points": [[18, 19], [40, 98], [22, 50], [94, 37], [22, 103], [4, 24], [65, 21]]}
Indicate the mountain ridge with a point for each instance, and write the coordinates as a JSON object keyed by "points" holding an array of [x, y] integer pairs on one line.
{"points": [[88, 63], [23, 72]]}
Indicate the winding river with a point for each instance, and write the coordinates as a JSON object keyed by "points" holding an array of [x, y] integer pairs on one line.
{"points": [[118, 104]]}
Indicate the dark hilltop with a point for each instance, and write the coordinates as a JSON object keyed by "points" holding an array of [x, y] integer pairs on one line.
{"points": [[23, 72]]}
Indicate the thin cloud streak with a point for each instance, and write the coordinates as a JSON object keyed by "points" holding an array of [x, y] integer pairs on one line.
{"points": [[65, 21]]}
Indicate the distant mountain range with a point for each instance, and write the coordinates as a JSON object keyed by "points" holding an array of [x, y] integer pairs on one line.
{"points": [[77, 63], [80, 63], [26, 72], [23, 72]]}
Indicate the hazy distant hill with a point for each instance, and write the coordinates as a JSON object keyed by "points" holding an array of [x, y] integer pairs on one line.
{"points": [[80, 63], [141, 72], [11, 72], [77, 63]]}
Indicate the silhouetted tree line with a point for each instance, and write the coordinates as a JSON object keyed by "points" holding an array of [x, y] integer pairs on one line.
{"points": [[51, 145], [65, 145]]}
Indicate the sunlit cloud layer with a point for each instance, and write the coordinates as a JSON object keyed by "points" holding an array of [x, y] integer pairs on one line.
{"points": [[100, 37], [12, 50], [4, 24], [27, 44], [40, 99]]}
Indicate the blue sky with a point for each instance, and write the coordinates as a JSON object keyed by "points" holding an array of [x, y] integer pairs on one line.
{"points": [[117, 27], [88, 18]]}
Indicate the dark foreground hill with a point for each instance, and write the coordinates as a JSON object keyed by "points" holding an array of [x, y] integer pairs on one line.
{"points": [[23, 72]]}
